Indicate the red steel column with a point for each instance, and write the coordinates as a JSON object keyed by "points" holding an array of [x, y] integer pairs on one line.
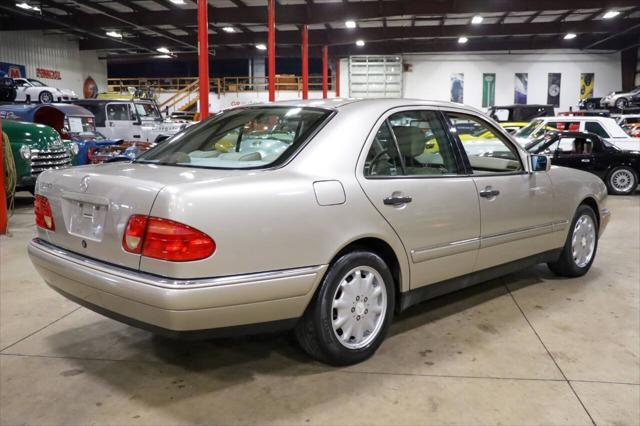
{"points": [[3, 196], [336, 77], [305, 62], [203, 57], [325, 71], [272, 50]]}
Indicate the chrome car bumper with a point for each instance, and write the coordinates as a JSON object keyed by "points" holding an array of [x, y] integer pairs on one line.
{"points": [[172, 306]]}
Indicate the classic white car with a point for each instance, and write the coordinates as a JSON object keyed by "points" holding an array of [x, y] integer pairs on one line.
{"points": [[37, 91], [322, 216]]}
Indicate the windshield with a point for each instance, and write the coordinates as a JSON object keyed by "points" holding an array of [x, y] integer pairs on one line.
{"points": [[527, 130], [240, 138], [147, 110], [36, 83], [82, 127]]}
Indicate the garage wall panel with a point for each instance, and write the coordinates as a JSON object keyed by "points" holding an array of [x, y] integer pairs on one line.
{"points": [[430, 75], [35, 49]]}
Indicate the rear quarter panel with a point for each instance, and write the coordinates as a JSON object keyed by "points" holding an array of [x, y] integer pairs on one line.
{"points": [[271, 220]]}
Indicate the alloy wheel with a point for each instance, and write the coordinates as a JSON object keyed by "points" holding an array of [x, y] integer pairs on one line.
{"points": [[583, 242], [358, 307], [622, 180]]}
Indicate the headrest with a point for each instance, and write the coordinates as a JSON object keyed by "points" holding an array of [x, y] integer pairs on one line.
{"points": [[411, 140]]}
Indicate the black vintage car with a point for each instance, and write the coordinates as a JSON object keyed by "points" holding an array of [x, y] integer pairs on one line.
{"points": [[586, 151], [7, 89], [520, 112]]}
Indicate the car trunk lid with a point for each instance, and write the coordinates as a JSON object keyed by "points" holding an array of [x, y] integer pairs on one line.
{"points": [[92, 205]]}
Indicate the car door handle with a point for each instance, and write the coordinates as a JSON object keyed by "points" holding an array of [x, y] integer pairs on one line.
{"points": [[585, 160], [489, 192], [396, 201]]}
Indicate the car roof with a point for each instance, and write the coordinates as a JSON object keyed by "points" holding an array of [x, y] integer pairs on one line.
{"points": [[338, 103], [575, 118]]}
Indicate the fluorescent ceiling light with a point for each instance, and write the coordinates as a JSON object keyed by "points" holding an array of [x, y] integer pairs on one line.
{"points": [[463, 40], [163, 50], [570, 36], [114, 34], [27, 6], [477, 19], [360, 43], [261, 46], [228, 29], [611, 14], [350, 24], [177, 1]]}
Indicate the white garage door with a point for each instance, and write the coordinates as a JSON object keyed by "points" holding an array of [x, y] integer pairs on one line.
{"points": [[375, 76]]}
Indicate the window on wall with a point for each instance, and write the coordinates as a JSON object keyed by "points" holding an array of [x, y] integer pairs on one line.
{"points": [[411, 143], [488, 151]]}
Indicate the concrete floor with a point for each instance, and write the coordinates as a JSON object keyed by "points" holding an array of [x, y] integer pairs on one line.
{"points": [[526, 349]]}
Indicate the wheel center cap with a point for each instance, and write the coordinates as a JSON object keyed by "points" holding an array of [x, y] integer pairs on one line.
{"points": [[359, 308], [583, 242]]}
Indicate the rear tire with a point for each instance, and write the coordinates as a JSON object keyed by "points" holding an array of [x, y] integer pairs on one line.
{"points": [[622, 180], [581, 245], [352, 310], [622, 103]]}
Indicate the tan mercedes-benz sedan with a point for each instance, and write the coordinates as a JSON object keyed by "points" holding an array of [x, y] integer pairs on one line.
{"points": [[328, 217]]}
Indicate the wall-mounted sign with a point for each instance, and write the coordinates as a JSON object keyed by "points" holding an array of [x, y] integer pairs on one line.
{"points": [[553, 89], [488, 90], [521, 88], [457, 87], [587, 82], [90, 88], [12, 70], [48, 74]]}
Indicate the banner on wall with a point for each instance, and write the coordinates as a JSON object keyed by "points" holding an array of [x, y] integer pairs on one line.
{"points": [[521, 88], [457, 87], [553, 89], [488, 90], [587, 81], [12, 70], [48, 74], [90, 88]]}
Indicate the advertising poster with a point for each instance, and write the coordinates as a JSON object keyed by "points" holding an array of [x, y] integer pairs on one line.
{"points": [[553, 89], [12, 70], [521, 88], [587, 81], [457, 88], [488, 90]]}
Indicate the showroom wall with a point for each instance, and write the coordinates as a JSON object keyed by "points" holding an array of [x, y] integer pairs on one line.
{"points": [[58, 58], [429, 75]]}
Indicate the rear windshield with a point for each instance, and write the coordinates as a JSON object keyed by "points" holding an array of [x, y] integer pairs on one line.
{"points": [[243, 138]]}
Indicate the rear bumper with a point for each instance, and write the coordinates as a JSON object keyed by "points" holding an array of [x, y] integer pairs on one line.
{"points": [[170, 306]]}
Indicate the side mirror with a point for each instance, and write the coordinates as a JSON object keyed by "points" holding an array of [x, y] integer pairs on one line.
{"points": [[539, 163]]}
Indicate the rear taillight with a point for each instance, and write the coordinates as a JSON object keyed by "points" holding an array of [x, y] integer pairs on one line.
{"points": [[165, 239], [44, 217]]}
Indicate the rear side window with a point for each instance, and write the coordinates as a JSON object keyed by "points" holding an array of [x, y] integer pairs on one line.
{"points": [[596, 128], [488, 152], [411, 143]]}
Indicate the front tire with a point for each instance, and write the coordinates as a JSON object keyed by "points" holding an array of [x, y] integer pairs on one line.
{"points": [[45, 97], [349, 316], [622, 181], [581, 245]]}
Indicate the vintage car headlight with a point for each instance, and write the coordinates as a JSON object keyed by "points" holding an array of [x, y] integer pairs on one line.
{"points": [[25, 152], [75, 149]]}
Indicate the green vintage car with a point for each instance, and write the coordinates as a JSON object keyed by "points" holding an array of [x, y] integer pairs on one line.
{"points": [[35, 148]]}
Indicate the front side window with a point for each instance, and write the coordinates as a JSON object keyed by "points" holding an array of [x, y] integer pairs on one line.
{"points": [[36, 83], [147, 110], [486, 149], [411, 143], [240, 139]]}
